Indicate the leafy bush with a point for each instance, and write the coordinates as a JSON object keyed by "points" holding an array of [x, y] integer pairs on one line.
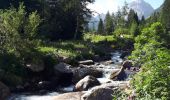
{"points": [[154, 79], [150, 53], [134, 30], [18, 30], [120, 32]]}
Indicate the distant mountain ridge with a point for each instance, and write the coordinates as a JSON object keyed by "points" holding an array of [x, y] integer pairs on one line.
{"points": [[142, 8]]}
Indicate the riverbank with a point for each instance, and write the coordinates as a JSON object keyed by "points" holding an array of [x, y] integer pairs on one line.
{"points": [[107, 68], [39, 74]]}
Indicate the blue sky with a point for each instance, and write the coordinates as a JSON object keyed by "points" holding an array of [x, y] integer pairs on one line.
{"points": [[102, 6]]}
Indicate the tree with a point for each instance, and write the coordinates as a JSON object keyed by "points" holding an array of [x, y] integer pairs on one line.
{"points": [[31, 5], [125, 10], [142, 21], [109, 24], [155, 17], [62, 19], [136, 19], [132, 17], [100, 27], [165, 16], [118, 18], [114, 20], [19, 30], [134, 30], [66, 19]]}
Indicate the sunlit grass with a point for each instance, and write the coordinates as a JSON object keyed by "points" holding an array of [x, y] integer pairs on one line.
{"points": [[94, 38]]}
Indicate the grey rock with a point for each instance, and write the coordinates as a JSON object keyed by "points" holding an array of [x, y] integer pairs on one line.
{"points": [[4, 91], [86, 83]]}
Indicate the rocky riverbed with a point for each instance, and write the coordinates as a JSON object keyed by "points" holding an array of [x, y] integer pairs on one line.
{"points": [[90, 81]]}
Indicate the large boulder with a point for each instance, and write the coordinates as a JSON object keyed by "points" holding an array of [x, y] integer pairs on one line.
{"points": [[119, 74], [86, 83], [4, 91], [36, 66], [64, 73], [81, 72], [115, 84], [127, 64], [69, 96], [105, 91], [98, 93]]}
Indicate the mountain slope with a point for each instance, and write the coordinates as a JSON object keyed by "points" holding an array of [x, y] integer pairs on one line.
{"points": [[141, 8]]}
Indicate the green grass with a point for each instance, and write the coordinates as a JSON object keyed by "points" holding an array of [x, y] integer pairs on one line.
{"points": [[78, 49], [70, 49], [99, 38]]}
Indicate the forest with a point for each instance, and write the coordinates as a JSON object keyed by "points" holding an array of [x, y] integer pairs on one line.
{"points": [[41, 39]]}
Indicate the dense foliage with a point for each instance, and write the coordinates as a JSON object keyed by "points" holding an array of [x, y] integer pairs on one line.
{"points": [[150, 53], [62, 19], [109, 27], [18, 31], [100, 27], [165, 14]]}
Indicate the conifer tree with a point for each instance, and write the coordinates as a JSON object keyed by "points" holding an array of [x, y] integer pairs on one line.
{"points": [[100, 27], [134, 29], [109, 27], [142, 20], [132, 17], [165, 16]]}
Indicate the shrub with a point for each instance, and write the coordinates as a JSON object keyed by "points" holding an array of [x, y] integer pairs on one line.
{"points": [[154, 78], [18, 30]]}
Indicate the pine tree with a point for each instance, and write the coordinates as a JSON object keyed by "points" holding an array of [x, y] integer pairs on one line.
{"points": [[134, 30], [132, 17], [118, 18], [114, 20], [109, 27], [142, 20], [100, 27], [125, 10], [165, 16], [136, 19]]}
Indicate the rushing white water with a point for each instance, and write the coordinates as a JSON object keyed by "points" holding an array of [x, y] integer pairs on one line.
{"points": [[107, 70], [26, 96], [47, 96]]}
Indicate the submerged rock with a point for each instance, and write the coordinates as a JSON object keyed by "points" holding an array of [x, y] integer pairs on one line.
{"points": [[115, 84], [69, 96], [64, 73], [63, 68], [105, 91], [98, 93], [86, 62], [86, 83], [119, 74], [4, 91], [127, 64], [80, 73]]}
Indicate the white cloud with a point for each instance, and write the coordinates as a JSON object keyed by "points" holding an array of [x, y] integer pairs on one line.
{"points": [[102, 6]]}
